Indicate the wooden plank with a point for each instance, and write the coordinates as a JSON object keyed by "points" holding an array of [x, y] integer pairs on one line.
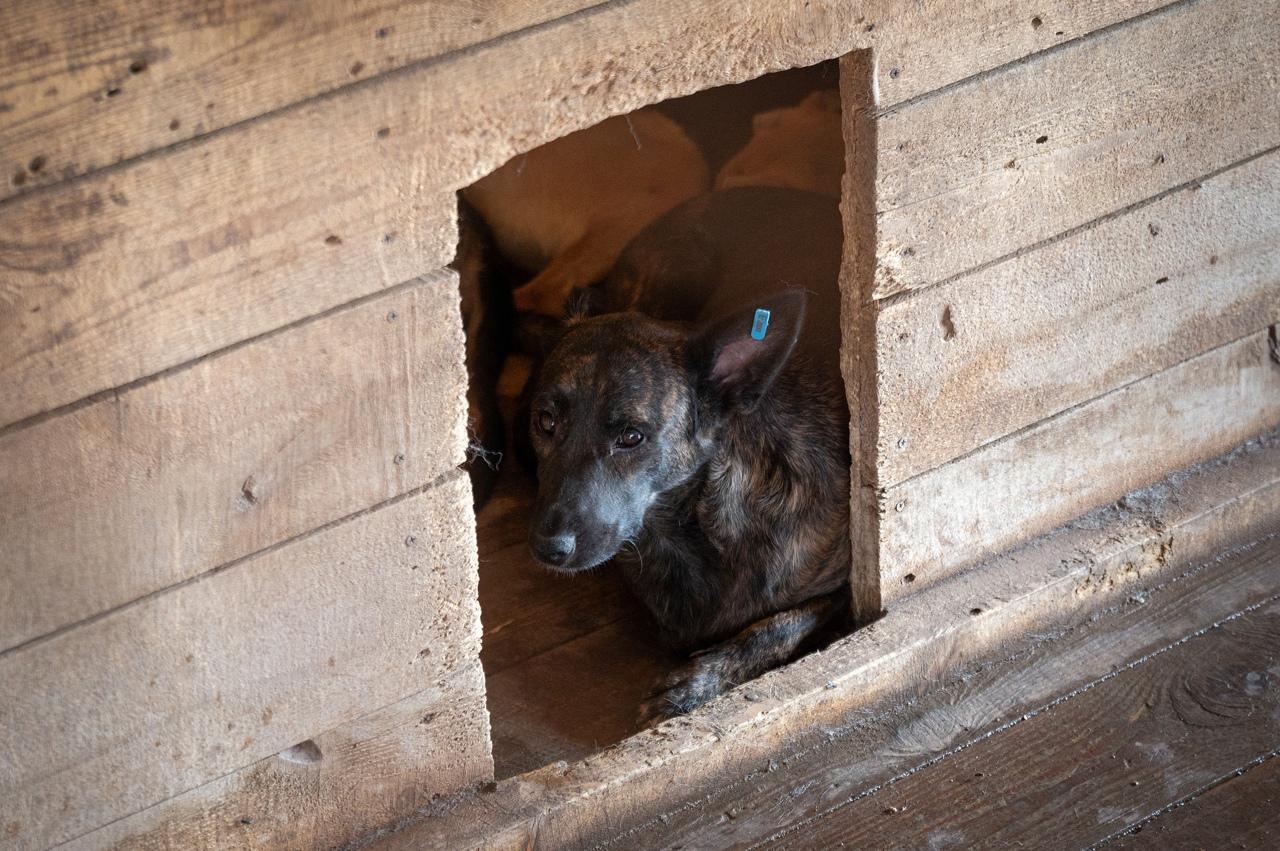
{"points": [[1243, 812], [873, 749], [1083, 769], [373, 771], [239, 452], [1059, 580], [925, 46], [87, 310], [986, 354], [999, 163], [191, 684], [91, 83], [941, 521]]}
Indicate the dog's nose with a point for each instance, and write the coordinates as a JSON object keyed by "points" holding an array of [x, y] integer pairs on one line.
{"points": [[553, 549]]}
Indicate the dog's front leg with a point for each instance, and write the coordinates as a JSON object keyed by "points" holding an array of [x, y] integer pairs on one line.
{"points": [[765, 644]]}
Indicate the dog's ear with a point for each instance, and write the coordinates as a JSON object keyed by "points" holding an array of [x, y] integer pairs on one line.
{"points": [[738, 357]]}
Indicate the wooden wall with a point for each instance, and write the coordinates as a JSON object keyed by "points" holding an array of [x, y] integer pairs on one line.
{"points": [[1077, 256], [237, 560]]}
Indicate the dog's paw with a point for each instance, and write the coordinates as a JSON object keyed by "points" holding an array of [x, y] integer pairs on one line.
{"points": [[686, 688]]}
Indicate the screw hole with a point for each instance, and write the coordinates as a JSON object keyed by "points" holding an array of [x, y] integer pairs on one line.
{"points": [[975, 611], [909, 578], [1036, 23]]}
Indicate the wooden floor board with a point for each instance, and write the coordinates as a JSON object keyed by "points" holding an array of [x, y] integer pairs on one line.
{"points": [[1242, 812], [1096, 763], [567, 659], [938, 723]]}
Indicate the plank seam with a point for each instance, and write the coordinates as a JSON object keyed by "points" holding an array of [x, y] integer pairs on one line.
{"points": [[1027, 716], [442, 479], [1192, 184], [347, 88], [975, 79], [1046, 420], [439, 276], [1186, 799]]}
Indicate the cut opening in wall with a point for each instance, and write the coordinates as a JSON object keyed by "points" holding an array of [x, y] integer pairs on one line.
{"points": [[680, 211]]}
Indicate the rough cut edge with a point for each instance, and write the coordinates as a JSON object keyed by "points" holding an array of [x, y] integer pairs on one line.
{"points": [[1151, 534]]}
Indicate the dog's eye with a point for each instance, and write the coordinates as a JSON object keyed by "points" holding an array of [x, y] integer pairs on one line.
{"points": [[547, 422], [630, 438]]}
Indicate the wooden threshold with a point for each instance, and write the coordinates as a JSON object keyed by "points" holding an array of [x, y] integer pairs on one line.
{"points": [[1054, 583]]}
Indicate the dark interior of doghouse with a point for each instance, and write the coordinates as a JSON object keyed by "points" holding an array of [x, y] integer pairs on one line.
{"points": [[569, 659]]}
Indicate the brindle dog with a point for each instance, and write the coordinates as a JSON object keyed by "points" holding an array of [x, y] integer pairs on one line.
{"points": [[720, 460]]}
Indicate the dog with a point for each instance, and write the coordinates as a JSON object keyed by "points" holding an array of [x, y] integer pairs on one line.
{"points": [[799, 146], [565, 210], [710, 457]]}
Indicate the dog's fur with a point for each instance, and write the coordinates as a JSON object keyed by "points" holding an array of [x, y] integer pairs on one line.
{"points": [[735, 502], [798, 146], [565, 210]]}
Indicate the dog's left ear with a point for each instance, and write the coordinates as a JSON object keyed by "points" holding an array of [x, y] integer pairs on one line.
{"points": [[739, 356]]}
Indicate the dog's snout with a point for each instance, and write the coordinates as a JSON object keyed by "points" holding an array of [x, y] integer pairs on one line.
{"points": [[553, 549]]}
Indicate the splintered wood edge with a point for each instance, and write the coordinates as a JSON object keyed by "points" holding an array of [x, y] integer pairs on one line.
{"points": [[1149, 536]]}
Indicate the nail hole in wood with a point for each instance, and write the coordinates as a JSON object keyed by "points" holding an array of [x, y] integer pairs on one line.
{"points": [[303, 753], [1041, 140]]}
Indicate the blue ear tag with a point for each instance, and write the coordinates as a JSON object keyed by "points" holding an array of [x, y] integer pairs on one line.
{"points": [[760, 324]]}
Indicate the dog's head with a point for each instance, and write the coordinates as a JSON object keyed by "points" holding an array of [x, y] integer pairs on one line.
{"points": [[627, 409]]}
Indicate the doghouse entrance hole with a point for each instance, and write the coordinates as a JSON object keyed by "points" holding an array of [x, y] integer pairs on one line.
{"points": [[569, 659]]}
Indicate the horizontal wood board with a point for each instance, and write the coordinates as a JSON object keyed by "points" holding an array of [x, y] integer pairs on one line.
{"points": [[93, 82], [978, 358], [937, 523], [998, 163], [198, 681], [243, 450], [372, 771]]}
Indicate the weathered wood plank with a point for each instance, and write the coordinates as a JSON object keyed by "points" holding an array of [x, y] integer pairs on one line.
{"points": [[890, 741], [149, 487], [1081, 770], [1243, 812], [87, 308], [209, 677], [90, 83], [925, 46], [373, 771], [937, 523], [1001, 162], [1058, 580], [989, 353]]}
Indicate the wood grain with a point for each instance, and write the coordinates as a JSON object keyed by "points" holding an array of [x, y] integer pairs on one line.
{"points": [[209, 677], [372, 772], [937, 717], [241, 451], [1087, 768], [89, 83], [982, 356], [1014, 489], [1243, 812], [999, 163], [926, 46]]}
